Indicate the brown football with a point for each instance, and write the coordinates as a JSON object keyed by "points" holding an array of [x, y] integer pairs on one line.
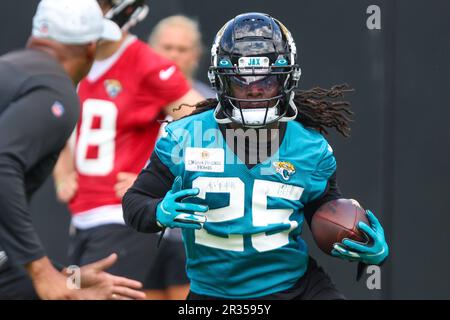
{"points": [[337, 220]]}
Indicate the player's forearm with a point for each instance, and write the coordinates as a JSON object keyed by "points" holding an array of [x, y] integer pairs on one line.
{"points": [[42, 267], [331, 192], [65, 165], [39, 269], [141, 200], [139, 211], [50, 284]]}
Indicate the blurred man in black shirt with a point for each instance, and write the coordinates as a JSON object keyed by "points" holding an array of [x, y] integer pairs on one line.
{"points": [[39, 108]]}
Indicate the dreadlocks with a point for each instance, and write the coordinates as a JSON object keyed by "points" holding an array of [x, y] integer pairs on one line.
{"points": [[317, 108]]}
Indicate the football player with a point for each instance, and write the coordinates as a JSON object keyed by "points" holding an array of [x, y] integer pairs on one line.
{"points": [[242, 173], [128, 89]]}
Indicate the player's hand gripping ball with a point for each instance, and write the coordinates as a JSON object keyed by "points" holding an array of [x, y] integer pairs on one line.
{"points": [[345, 230]]}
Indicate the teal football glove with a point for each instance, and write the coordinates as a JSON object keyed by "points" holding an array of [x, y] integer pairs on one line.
{"points": [[372, 253], [171, 212]]}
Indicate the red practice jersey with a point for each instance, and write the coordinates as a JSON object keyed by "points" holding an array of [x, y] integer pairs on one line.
{"points": [[118, 124]]}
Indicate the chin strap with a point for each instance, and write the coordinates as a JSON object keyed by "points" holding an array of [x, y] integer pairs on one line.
{"points": [[217, 113], [219, 116], [292, 107]]}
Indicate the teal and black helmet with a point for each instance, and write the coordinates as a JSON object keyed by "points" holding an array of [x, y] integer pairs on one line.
{"points": [[254, 50]]}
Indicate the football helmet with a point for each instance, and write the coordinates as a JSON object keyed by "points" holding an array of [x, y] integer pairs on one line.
{"points": [[254, 71], [126, 13]]}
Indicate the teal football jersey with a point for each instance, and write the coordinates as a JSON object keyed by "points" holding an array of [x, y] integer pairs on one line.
{"points": [[250, 245]]}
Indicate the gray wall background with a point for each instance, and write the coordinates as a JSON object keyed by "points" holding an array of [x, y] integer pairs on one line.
{"points": [[397, 161]]}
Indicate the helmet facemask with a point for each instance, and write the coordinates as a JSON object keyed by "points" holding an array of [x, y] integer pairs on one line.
{"points": [[255, 100], [254, 77]]}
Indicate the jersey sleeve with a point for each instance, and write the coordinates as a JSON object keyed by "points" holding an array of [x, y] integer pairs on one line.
{"points": [[32, 128], [166, 162], [166, 81], [141, 200], [332, 192], [170, 148], [326, 166]]}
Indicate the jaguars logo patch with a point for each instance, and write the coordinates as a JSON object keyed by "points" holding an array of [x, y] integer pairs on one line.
{"points": [[284, 168], [113, 88]]}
